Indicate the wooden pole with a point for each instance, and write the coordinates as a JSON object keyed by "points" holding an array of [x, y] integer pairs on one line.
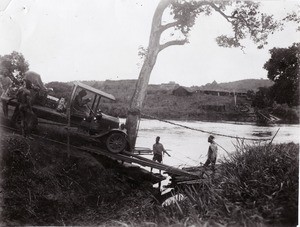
{"points": [[68, 132]]}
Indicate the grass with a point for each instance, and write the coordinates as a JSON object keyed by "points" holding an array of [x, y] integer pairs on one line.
{"points": [[256, 184], [41, 185]]}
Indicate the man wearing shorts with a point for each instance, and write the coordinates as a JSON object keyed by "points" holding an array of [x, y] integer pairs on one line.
{"points": [[158, 151]]}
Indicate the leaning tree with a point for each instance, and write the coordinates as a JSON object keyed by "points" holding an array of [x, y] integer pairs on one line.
{"points": [[245, 17]]}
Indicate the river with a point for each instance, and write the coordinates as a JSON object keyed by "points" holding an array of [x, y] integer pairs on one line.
{"points": [[189, 148]]}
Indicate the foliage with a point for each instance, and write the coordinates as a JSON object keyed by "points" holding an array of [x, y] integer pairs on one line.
{"points": [[262, 98], [61, 89], [250, 94], [256, 184], [244, 16], [13, 63], [283, 69], [294, 17], [286, 113]]}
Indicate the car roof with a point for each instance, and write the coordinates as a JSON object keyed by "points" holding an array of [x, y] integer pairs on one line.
{"points": [[94, 90]]}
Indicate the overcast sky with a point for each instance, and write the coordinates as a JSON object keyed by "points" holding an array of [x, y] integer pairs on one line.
{"points": [[66, 40]]}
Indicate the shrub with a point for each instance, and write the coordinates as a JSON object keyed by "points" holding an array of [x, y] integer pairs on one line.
{"points": [[287, 114], [255, 184]]}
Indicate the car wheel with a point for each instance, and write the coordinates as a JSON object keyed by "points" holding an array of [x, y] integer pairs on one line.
{"points": [[116, 142]]}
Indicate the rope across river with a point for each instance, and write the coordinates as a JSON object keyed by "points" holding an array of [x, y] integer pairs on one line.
{"points": [[203, 131]]}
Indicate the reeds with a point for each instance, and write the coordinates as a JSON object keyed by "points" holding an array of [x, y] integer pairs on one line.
{"points": [[256, 184]]}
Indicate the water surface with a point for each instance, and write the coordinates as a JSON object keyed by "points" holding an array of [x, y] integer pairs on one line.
{"points": [[189, 148]]}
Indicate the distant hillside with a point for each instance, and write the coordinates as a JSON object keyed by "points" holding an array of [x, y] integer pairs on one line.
{"points": [[240, 85], [160, 101], [120, 86]]}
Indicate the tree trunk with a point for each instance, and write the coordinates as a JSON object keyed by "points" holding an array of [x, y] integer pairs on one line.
{"points": [[134, 113]]}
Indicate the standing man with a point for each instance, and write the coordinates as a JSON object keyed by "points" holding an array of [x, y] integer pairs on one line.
{"points": [[158, 151], [211, 154], [24, 109]]}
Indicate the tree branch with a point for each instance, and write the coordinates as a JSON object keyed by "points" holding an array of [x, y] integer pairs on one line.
{"points": [[172, 43], [227, 17], [169, 25]]}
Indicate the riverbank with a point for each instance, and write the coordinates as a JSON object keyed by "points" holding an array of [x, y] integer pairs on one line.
{"points": [[163, 103], [42, 185]]}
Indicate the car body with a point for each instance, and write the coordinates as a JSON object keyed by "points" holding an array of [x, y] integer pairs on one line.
{"points": [[94, 123]]}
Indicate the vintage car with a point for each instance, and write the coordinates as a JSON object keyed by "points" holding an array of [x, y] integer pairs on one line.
{"points": [[91, 121]]}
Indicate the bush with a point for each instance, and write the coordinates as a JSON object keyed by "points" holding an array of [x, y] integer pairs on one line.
{"points": [[287, 114], [264, 178], [255, 184]]}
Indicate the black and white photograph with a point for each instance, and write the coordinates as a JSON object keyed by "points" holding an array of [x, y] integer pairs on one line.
{"points": [[149, 113]]}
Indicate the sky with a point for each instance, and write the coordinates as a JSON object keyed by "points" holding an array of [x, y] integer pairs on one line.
{"points": [[67, 40]]}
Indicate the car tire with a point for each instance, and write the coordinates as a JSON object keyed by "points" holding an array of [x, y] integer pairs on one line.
{"points": [[116, 142]]}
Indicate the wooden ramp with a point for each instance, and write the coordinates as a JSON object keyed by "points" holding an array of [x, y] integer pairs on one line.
{"points": [[133, 158]]}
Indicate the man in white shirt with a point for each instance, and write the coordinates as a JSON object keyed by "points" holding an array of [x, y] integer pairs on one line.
{"points": [[158, 150]]}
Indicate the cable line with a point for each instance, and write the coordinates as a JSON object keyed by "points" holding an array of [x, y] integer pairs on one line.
{"points": [[200, 130]]}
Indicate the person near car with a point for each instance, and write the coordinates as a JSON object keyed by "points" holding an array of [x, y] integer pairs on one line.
{"points": [[35, 80], [24, 109], [79, 104], [211, 154], [38, 90]]}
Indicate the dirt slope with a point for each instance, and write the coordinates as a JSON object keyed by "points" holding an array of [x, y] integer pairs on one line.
{"points": [[41, 185]]}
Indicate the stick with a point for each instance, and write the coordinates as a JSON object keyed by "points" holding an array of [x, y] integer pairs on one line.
{"points": [[274, 136]]}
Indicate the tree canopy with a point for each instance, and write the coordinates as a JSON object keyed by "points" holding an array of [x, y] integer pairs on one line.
{"points": [[283, 69], [13, 64], [245, 18]]}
